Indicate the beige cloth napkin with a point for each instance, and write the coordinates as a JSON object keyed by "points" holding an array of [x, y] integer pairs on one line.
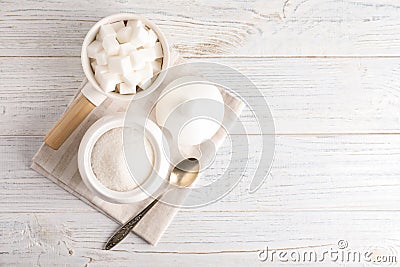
{"points": [[60, 166]]}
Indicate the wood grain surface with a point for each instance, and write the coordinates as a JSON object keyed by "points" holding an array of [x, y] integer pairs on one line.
{"points": [[329, 73]]}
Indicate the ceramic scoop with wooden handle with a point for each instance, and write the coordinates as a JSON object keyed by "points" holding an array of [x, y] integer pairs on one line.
{"points": [[121, 54]]}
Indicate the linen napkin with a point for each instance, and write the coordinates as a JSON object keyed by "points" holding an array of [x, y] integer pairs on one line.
{"points": [[61, 167]]}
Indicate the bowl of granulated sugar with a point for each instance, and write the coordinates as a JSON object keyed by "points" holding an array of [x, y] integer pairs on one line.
{"points": [[103, 165]]}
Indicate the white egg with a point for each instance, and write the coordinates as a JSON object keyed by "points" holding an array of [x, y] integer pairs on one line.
{"points": [[191, 109]]}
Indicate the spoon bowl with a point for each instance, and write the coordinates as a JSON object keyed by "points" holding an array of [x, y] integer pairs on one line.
{"points": [[184, 173]]}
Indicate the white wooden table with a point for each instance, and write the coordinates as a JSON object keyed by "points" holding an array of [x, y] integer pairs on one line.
{"points": [[329, 70]]}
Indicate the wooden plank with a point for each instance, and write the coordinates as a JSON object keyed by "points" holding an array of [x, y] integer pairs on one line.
{"points": [[310, 173], [212, 238], [319, 95], [268, 28], [335, 174]]}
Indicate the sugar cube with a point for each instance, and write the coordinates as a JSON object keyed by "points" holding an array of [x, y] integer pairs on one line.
{"points": [[145, 84], [100, 69], [138, 60], [101, 58], [108, 80], [111, 45], [156, 65], [134, 23], [147, 54], [107, 30], [131, 78], [120, 64], [98, 37], [124, 89], [152, 39], [124, 34], [158, 50], [126, 49], [93, 48], [93, 64], [139, 37], [151, 53], [118, 25], [145, 73]]}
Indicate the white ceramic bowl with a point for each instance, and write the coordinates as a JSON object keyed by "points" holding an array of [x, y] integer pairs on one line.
{"points": [[91, 35], [150, 185]]}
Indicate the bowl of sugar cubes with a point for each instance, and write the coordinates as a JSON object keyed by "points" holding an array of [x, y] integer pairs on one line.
{"points": [[124, 55]]}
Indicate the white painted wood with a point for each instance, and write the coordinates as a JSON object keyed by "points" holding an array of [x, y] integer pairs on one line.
{"points": [[318, 95], [194, 238], [271, 28], [310, 173], [328, 70]]}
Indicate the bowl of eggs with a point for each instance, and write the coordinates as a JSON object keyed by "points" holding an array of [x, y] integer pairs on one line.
{"points": [[123, 57]]}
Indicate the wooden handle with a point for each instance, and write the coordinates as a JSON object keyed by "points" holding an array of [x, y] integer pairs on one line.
{"points": [[75, 114]]}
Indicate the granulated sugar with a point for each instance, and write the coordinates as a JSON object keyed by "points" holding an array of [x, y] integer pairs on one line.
{"points": [[108, 161]]}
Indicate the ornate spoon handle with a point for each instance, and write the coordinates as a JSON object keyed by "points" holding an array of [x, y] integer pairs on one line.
{"points": [[125, 229]]}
